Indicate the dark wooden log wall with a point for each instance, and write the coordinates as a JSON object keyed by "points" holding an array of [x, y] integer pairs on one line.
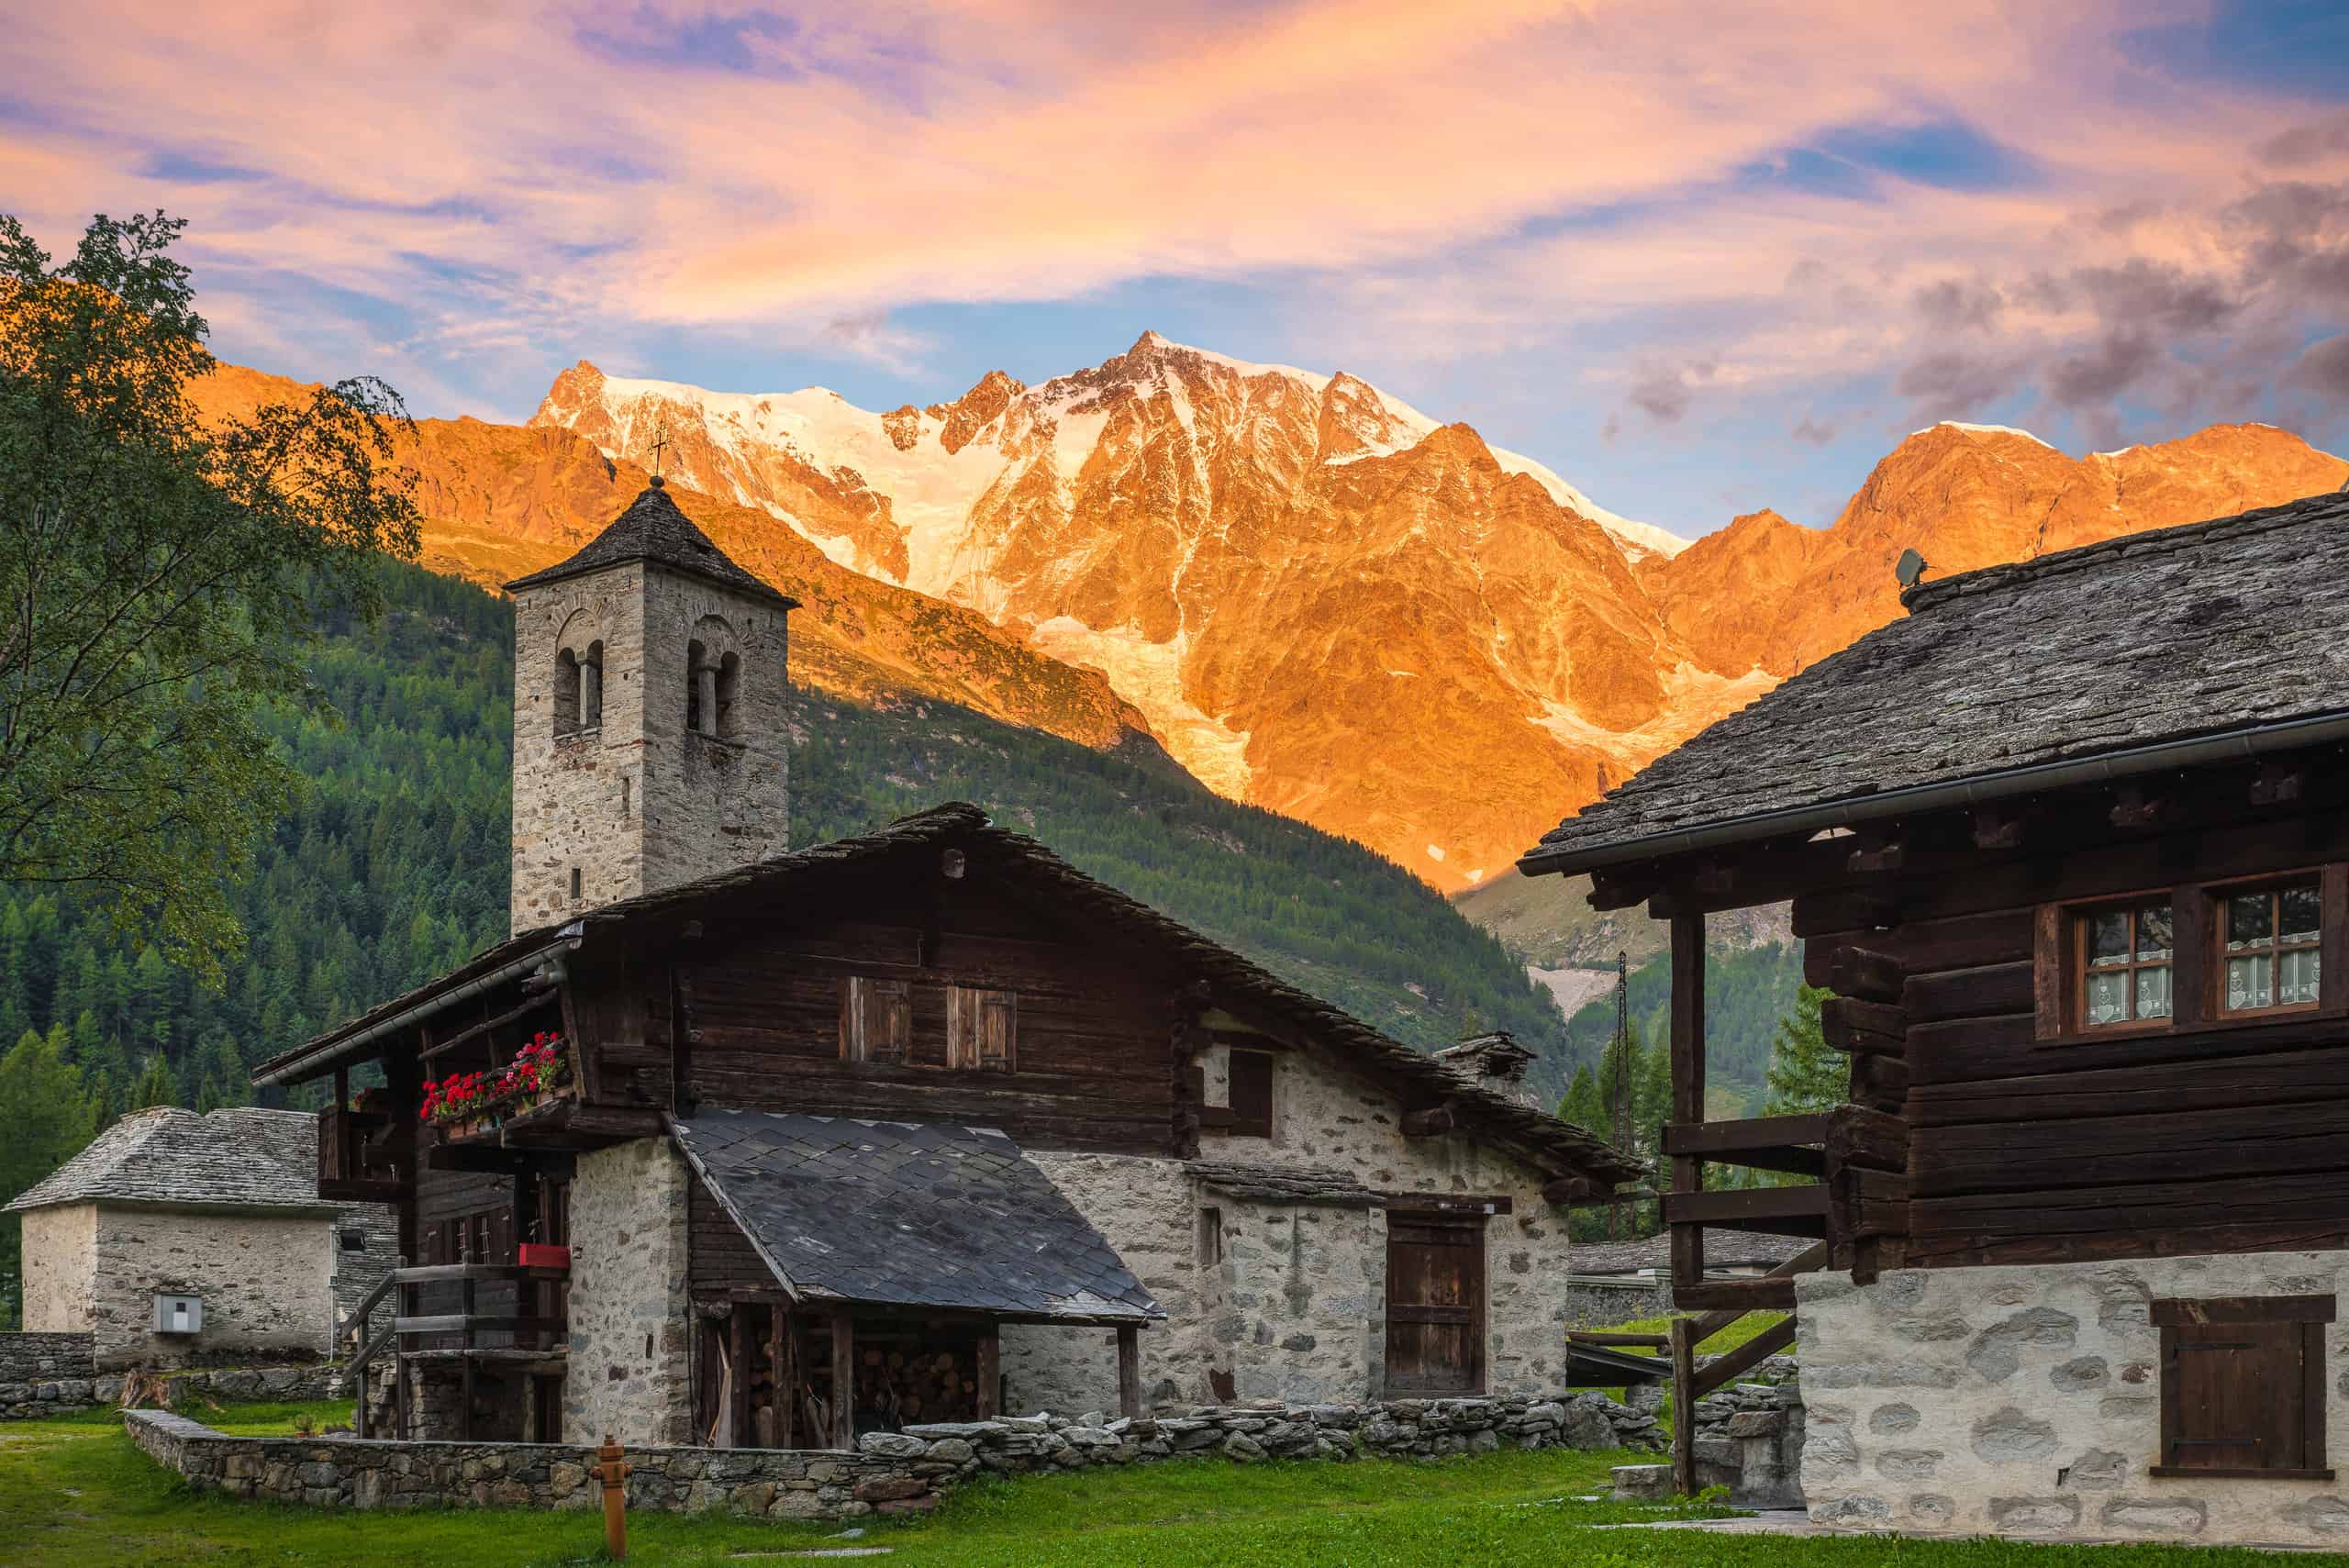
{"points": [[760, 1021], [719, 1257], [444, 1196], [2228, 1138]]}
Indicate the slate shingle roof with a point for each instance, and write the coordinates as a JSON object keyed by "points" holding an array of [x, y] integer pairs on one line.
{"points": [[231, 1159], [654, 529], [2209, 629], [1484, 1113], [908, 1214]]}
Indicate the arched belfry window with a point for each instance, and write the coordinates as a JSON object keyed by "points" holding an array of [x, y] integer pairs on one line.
{"points": [[730, 671], [590, 688], [566, 693], [698, 712]]}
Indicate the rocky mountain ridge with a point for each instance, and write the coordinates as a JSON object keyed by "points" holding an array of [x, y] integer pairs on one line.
{"points": [[1328, 603]]}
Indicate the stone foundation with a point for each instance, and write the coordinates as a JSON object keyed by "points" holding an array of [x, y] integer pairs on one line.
{"points": [[890, 1473], [2027, 1401]]}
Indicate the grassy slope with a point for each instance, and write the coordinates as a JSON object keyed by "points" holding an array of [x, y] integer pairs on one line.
{"points": [[75, 1494]]}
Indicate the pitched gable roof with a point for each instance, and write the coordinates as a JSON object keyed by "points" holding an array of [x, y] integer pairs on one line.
{"points": [[2124, 657], [654, 529], [1534, 1134], [244, 1157]]}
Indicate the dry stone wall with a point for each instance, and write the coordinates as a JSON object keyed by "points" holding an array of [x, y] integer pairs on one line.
{"points": [[903, 1471], [56, 1375], [2027, 1401]]}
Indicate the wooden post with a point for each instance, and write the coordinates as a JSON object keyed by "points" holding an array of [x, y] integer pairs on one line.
{"points": [[612, 1472], [1684, 1406], [784, 1378], [738, 1407], [465, 1362], [990, 1378], [1687, 1082], [843, 1433], [1130, 1371]]}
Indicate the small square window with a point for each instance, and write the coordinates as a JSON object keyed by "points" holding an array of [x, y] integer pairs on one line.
{"points": [[2125, 964], [352, 1241], [2271, 938]]}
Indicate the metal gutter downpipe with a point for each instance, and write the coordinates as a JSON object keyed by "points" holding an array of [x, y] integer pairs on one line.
{"points": [[2281, 735], [565, 940]]}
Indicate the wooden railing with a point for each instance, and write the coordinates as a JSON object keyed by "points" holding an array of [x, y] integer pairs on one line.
{"points": [[368, 1346], [356, 1162], [410, 1324]]}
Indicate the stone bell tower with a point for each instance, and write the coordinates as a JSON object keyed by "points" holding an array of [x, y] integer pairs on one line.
{"points": [[649, 742]]}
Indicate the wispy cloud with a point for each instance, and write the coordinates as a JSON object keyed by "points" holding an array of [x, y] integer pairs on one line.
{"points": [[1684, 211]]}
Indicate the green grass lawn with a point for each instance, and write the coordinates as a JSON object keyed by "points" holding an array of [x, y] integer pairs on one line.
{"points": [[75, 1494]]}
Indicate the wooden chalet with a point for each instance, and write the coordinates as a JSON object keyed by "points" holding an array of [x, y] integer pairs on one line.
{"points": [[919, 1125], [2070, 842]]}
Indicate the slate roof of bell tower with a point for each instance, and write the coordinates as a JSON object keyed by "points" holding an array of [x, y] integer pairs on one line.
{"points": [[655, 528]]}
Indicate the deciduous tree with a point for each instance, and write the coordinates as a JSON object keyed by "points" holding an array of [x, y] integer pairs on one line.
{"points": [[159, 582]]}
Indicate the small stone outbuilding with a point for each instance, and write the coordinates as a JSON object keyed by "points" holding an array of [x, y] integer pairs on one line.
{"points": [[216, 1218]]}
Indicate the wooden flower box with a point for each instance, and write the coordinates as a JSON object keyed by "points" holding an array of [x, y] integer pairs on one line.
{"points": [[497, 1116]]}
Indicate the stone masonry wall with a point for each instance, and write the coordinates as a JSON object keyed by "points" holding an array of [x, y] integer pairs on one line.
{"points": [[59, 1249], [637, 805], [891, 1473], [377, 1227], [1327, 1118], [55, 1374], [2027, 1401], [267, 1284], [628, 1370]]}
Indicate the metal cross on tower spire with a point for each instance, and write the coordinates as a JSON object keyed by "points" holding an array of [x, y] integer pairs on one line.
{"points": [[660, 443]]}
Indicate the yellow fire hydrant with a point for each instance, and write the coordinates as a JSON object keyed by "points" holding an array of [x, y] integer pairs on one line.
{"points": [[613, 1473]]}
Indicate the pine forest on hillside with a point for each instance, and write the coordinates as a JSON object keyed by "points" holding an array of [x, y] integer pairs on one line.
{"points": [[392, 867]]}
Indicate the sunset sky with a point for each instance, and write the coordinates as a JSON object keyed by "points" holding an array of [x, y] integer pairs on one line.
{"points": [[1699, 259]]}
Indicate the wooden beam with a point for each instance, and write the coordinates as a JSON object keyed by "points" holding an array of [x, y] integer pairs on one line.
{"points": [[1594, 1337], [2137, 807], [1684, 1407], [1744, 1358], [1129, 1371], [1687, 1015], [737, 1405], [1429, 1123], [1753, 1132], [1619, 890], [1997, 827], [1733, 1298], [990, 1371], [1566, 1190], [1746, 1209], [1890, 854], [1872, 1028], [1859, 1136], [1864, 973], [1808, 1261], [2281, 782], [529, 1005], [843, 1433]]}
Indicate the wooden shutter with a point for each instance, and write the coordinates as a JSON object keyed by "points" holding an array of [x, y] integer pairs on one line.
{"points": [[2244, 1386], [876, 1020], [1252, 1093], [1435, 1305], [982, 1028]]}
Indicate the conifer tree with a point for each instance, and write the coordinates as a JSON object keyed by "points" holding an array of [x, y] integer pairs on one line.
{"points": [[1804, 1076]]}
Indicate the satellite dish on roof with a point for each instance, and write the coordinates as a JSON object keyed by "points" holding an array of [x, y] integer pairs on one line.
{"points": [[1911, 567]]}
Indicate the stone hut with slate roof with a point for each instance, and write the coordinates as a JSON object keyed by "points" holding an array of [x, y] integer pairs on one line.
{"points": [[220, 1210], [921, 1124], [2070, 842]]}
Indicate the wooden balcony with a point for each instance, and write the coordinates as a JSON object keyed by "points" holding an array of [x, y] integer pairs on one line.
{"points": [[362, 1156], [562, 1121]]}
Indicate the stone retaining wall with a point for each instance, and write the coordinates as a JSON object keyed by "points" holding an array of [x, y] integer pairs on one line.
{"points": [[891, 1473], [55, 1374]]}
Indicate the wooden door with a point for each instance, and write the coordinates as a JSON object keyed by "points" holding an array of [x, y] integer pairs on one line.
{"points": [[1435, 1305]]}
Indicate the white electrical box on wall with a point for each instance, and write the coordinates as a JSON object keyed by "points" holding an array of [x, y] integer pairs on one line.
{"points": [[179, 1314]]}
